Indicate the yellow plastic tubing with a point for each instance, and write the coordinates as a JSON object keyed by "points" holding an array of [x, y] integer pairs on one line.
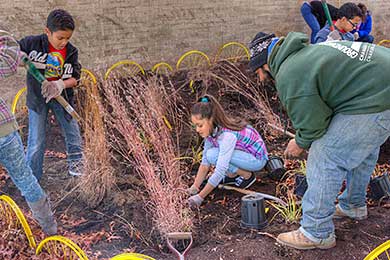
{"points": [[124, 62], [132, 256], [27, 230], [64, 242]]}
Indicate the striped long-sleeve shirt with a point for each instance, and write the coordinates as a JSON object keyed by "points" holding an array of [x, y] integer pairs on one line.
{"points": [[247, 140]]}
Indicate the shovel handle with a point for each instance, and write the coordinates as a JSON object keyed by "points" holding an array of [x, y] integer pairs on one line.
{"points": [[227, 187], [327, 14], [179, 235], [40, 78], [282, 130]]}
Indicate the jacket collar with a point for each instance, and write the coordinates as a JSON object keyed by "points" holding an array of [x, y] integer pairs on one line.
{"points": [[70, 49]]}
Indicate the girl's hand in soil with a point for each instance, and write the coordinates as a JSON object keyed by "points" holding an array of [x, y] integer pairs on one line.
{"points": [[195, 201], [193, 190], [293, 150]]}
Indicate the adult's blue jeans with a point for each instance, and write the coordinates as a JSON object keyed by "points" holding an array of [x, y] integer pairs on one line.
{"points": [[13, 159], [37, 137], [240, 160], [310, 19], [348, 151]]}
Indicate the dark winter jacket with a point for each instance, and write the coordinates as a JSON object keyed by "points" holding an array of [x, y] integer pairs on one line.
{"points": [[37, 49], [318, 11], [366, 27]]}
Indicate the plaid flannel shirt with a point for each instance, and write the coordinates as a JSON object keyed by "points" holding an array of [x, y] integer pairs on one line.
{"points": [[5, 114], [9, 54]]}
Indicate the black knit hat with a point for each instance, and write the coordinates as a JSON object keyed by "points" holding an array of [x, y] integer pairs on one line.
{"points": [[259, 50]]}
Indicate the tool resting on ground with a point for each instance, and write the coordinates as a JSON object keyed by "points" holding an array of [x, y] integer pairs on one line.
{"points": [[60, 99], [247, 192]]}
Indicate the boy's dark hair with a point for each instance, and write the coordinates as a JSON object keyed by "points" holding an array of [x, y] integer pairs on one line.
{"points": [[349, 10], [60, 19]]}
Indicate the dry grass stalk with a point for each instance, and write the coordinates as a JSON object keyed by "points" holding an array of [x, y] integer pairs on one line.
{"points": [[134, 114], [98, 178], [230, 77]]}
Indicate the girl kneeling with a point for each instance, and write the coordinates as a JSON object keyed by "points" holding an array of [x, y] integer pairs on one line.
{"points": [[233, 147]]}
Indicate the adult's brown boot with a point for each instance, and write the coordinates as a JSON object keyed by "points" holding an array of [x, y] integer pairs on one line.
{"points": [[355, 213], [298, 240]]}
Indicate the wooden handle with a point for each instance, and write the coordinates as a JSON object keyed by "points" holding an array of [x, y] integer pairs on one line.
{"points": [[281, 130], [179, 235], [227, 187], [68, 108]]}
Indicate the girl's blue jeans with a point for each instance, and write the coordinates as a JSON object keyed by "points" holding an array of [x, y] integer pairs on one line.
{"points": [[310, 19], [37, 137], [13, 159], [239, 160], [348, 151]]}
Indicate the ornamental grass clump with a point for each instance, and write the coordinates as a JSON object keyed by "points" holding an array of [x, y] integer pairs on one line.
{"points": [[232, 79], [141, 117], [98, 176]]}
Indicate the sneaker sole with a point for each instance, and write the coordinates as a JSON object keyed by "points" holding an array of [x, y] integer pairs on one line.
{"points": [[357, 218], [306, 247], [250, 184], [228, 183]]}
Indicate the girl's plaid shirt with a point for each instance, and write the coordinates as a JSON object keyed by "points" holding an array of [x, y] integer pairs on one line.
{"points": [[5, 115], [9, 54]]}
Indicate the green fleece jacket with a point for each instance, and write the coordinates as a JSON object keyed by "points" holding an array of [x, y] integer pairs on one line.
{"points": [[315, 82]]}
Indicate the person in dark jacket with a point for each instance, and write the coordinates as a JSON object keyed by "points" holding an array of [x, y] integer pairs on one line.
{"points": [[362, 32], [57, 59], [348, 18], [315, 17], [340, 112], [11, 147]]}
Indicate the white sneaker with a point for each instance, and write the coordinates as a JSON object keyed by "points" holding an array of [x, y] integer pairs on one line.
{"points": [[75, 174], [76, 168]]}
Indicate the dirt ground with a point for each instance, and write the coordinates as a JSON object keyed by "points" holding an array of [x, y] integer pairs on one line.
{"points": [[102, 233], [120, 223]]}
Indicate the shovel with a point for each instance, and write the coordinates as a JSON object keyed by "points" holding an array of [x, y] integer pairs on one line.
{"points": [[247, 192], [177, 236]]}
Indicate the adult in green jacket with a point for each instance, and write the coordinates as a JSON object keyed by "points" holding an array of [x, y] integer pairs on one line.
{"points": [[337, 96]]}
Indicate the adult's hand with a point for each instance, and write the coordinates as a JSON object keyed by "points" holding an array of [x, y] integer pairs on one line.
{"points": [[293, 150]]}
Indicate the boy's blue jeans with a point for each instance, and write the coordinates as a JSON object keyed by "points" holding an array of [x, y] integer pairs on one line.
{"points": [[37, 137], [310, 19], [240, 160], [13, 159], [348, 151]]}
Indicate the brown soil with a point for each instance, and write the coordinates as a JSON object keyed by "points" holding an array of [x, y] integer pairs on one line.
{"points": [[120, 222]]}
